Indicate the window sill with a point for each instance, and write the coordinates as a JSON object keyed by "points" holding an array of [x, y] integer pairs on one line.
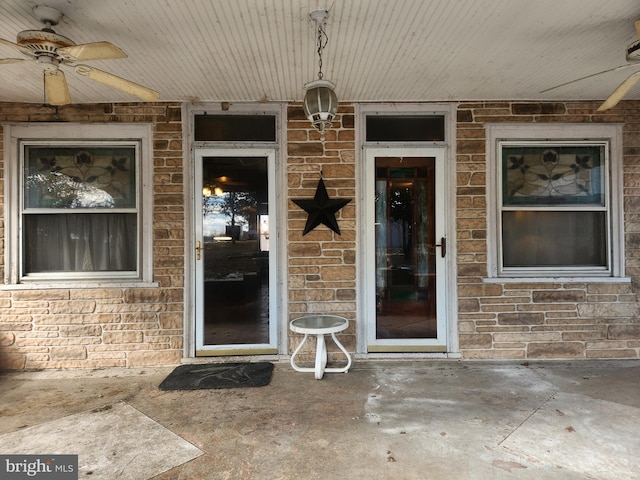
{"points": [[594, 279], [78, 285]]}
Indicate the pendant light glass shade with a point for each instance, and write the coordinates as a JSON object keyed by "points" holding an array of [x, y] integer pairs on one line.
{"points": [[320, 103]]}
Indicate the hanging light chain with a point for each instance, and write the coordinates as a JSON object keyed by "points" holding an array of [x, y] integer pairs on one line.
{"points": [[322, 41]]}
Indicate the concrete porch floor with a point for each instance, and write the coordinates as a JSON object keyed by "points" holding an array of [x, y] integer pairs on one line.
{"points": [[384, 419]]}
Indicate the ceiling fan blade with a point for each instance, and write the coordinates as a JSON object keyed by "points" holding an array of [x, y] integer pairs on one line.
{"points": [[9, 44], [15, 46], [619, 93], [11, 60], [621, 67], [91, 51], [55, 86], [119, 83]]}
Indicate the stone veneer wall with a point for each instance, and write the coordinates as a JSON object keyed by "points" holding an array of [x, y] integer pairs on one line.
{"points": [[545, 320], [321, 264], [105, 327], [62, 327]]}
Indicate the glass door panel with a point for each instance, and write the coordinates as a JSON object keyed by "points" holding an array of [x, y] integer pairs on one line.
{"points": [[233, 256], [406, 293], [405, 248]]}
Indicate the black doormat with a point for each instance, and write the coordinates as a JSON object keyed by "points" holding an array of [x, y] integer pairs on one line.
{"points": [[218, 375]]}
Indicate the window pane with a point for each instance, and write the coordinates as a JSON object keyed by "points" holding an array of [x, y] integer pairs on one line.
{"points": [[240, 128], [549, 239], [80, 177], [390, 128], [78, 242], [552, 175]]}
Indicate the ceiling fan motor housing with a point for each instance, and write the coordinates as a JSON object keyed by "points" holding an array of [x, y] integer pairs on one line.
{"points": [[43, 43], [633, 52]]}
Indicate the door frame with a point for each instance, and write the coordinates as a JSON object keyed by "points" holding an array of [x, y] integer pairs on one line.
{"points": [[366, 245], [373, 344], [272, 347], [188, 112]]}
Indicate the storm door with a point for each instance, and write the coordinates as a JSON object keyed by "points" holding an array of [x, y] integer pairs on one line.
{"points": [[407, 248], [234, 253]]}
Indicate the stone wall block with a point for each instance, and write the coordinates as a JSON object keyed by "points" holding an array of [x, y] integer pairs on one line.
{"points": [[624, 332], [475, 341], [345, 294], [562, 296], [304, 249], [12, 361], [338, 273], [7, 339], [610, 353], [73, 307], [609, 310], [76, 352], [520, 318], [35, 295], [553, 350], [123, 337], [315, 294], [154, 358], [80, 330]]}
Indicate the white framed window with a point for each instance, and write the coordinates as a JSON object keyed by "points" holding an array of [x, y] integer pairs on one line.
{"points": [[555, 201], [78, 209]]}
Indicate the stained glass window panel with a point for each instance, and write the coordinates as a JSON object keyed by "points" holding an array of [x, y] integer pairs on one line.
{"points": [[553, 175], [80, 177]]}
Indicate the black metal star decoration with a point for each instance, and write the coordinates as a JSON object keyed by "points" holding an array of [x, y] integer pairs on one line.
{"points": [[322, 209]]}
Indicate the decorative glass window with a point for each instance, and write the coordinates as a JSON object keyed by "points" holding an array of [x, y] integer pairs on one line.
{"points": [[554, 206], [557, 201], [76, 202], [79, 209]]}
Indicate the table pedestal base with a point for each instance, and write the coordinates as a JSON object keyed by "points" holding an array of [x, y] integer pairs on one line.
{"points": [[321, 357]]}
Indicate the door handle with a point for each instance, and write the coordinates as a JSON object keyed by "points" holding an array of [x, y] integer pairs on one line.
{"points": [[198, 249], [442, 245]]}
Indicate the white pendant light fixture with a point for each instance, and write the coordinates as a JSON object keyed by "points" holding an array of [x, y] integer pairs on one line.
{"points": [[320, 100]]}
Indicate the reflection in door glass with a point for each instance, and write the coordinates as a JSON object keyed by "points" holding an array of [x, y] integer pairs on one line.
{"points": [[405, 248], [235, 251]]}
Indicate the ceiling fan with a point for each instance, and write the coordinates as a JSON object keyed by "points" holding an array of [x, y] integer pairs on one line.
{"points": [[633, 59], [51, 51]]}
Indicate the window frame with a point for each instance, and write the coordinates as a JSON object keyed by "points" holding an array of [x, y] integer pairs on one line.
{"points": [[18, 137], [607, 135]]}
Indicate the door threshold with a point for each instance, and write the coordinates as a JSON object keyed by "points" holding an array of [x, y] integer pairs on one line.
{"points": [[236, 351], [406, 349]]}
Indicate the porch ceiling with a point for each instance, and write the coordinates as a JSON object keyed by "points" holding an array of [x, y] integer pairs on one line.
{"points": [[378, 50]]}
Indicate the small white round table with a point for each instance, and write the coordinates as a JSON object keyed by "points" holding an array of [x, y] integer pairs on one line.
{"points": [[320, 325]]}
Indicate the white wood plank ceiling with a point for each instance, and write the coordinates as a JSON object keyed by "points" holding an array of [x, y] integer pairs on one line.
{"points": [[378, 50]]}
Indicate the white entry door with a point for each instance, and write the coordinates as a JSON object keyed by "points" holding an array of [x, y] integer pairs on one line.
{"points": [[235, 258], [406, 250]]}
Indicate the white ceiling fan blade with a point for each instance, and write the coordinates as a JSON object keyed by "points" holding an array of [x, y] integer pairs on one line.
{"points": [[12, 60], [15, 46], [619, 93], [621, 67], [91, 51], [55, 86], [119, 83]]}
